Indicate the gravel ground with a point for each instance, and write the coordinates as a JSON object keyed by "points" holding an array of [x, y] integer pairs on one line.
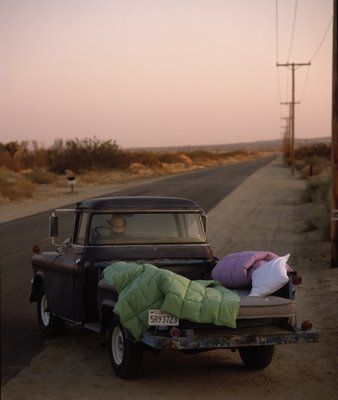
{"points": [[264, 213]]}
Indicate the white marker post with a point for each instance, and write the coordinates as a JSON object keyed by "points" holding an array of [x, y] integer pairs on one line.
{"points": [[71, 182]]}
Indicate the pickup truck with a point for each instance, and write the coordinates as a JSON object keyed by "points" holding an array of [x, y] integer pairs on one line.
{"points": [[169, 233]]}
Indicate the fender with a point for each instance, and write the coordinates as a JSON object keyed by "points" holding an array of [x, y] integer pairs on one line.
{"points": [[107, 313], [36, 282]]}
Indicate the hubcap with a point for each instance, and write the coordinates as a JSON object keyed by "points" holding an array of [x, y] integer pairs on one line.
{"points": [[117, 345], [44, 311]]}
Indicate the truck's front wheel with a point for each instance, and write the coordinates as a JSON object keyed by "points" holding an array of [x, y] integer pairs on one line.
{"points": [[256, 357], [125, 353], [49, 324]]}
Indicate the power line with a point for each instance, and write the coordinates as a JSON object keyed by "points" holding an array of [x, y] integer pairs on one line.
{"points": [[322, 41], [314, 55], [276, 30], [277, 53], [293, 28]]}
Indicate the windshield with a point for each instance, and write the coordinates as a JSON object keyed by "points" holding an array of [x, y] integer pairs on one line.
{"points": [[148, 228]]}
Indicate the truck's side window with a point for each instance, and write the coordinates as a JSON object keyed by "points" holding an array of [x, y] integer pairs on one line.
{"points": [[81, 234]]}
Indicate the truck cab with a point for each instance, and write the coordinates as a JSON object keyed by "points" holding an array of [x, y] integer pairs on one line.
{"points": [[167, 232]]}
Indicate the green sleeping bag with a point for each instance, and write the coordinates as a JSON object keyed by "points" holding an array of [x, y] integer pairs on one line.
{"points": [[142, 287]]}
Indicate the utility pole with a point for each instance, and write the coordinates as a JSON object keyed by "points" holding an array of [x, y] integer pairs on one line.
{"points": [[334, 143], [289, 103], [286, 138], [293, 67]]}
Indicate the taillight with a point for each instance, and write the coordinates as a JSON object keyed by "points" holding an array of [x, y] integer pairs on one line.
{"points": [[36, 249], [175, 332], [297, 280], [306, 325]]}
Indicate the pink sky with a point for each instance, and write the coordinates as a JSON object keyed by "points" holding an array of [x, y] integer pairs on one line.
{"points": [[160, 73]]}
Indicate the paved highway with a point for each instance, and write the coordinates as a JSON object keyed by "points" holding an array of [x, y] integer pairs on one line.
{"points": [[20, 336]]}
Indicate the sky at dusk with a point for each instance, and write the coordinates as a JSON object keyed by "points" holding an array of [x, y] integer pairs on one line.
{"points": [[161, 73]]}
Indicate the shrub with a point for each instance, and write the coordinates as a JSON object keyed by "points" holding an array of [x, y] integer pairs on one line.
{"points": [[317, 189], [313, 166], [149, 159], [81, 155], [169, 158], [40, 176], [85, 154], [236, 153], [14, 186], [203, 154], [8, 162], [322, 150], [319, 220], [22, 155], [185, 159]]}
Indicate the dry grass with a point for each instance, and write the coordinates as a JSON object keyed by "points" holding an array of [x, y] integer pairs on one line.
{"points": [[14, 186], [313, 162], [318, 192], [314, 166], [317, 189], [40, 176]]}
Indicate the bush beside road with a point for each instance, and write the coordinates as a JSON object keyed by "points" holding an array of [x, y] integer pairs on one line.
{"points": [[28, 169]]}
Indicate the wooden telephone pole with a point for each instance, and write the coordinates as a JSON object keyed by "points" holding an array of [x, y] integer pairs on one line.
{"points": [[286, 138], [334, 144], [293, 67], [289, 135]]}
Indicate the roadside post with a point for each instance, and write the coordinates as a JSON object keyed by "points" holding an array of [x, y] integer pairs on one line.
{"points": [[71, 182]]}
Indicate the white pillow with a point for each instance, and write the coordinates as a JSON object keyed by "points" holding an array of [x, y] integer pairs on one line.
{"points": [[269, 277]]}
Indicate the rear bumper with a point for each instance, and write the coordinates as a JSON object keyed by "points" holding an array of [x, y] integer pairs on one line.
{"points": [[259, 336]]}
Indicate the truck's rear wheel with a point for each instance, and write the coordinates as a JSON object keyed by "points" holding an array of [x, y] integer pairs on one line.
{"points": [[256, 357], [125, 353], [49, 324]]}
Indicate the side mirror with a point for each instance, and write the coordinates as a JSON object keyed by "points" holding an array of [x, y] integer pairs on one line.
{"points": [[204, 222], [53, 226]]}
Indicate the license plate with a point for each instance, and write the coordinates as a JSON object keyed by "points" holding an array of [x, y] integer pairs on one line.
{"points": [[159, 318]]}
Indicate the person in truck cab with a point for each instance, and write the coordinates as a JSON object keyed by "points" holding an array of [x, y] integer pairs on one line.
{"points": [[117, 225], [107, 230]]}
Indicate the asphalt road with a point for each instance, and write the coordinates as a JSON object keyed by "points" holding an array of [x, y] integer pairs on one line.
{"points": [[20, 336]]}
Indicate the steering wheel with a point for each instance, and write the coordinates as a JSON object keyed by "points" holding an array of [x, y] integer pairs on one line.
{"points": [[102, 230]]}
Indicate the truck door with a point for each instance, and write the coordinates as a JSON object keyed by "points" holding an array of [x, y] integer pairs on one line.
{"points": [[67, 298], [62, 296]]}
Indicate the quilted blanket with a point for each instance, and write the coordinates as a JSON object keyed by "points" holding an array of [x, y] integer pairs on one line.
{"points": [[142, 287]]}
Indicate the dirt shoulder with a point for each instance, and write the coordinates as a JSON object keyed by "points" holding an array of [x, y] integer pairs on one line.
{"points": [[264, 213]]}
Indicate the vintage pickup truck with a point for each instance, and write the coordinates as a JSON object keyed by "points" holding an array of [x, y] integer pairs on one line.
{"points": [[169, 233]]}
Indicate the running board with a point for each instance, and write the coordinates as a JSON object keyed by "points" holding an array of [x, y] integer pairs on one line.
{"points": [[93, 326]]}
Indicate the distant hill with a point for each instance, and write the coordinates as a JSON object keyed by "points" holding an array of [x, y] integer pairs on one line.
{"points": [[261, 145]]}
